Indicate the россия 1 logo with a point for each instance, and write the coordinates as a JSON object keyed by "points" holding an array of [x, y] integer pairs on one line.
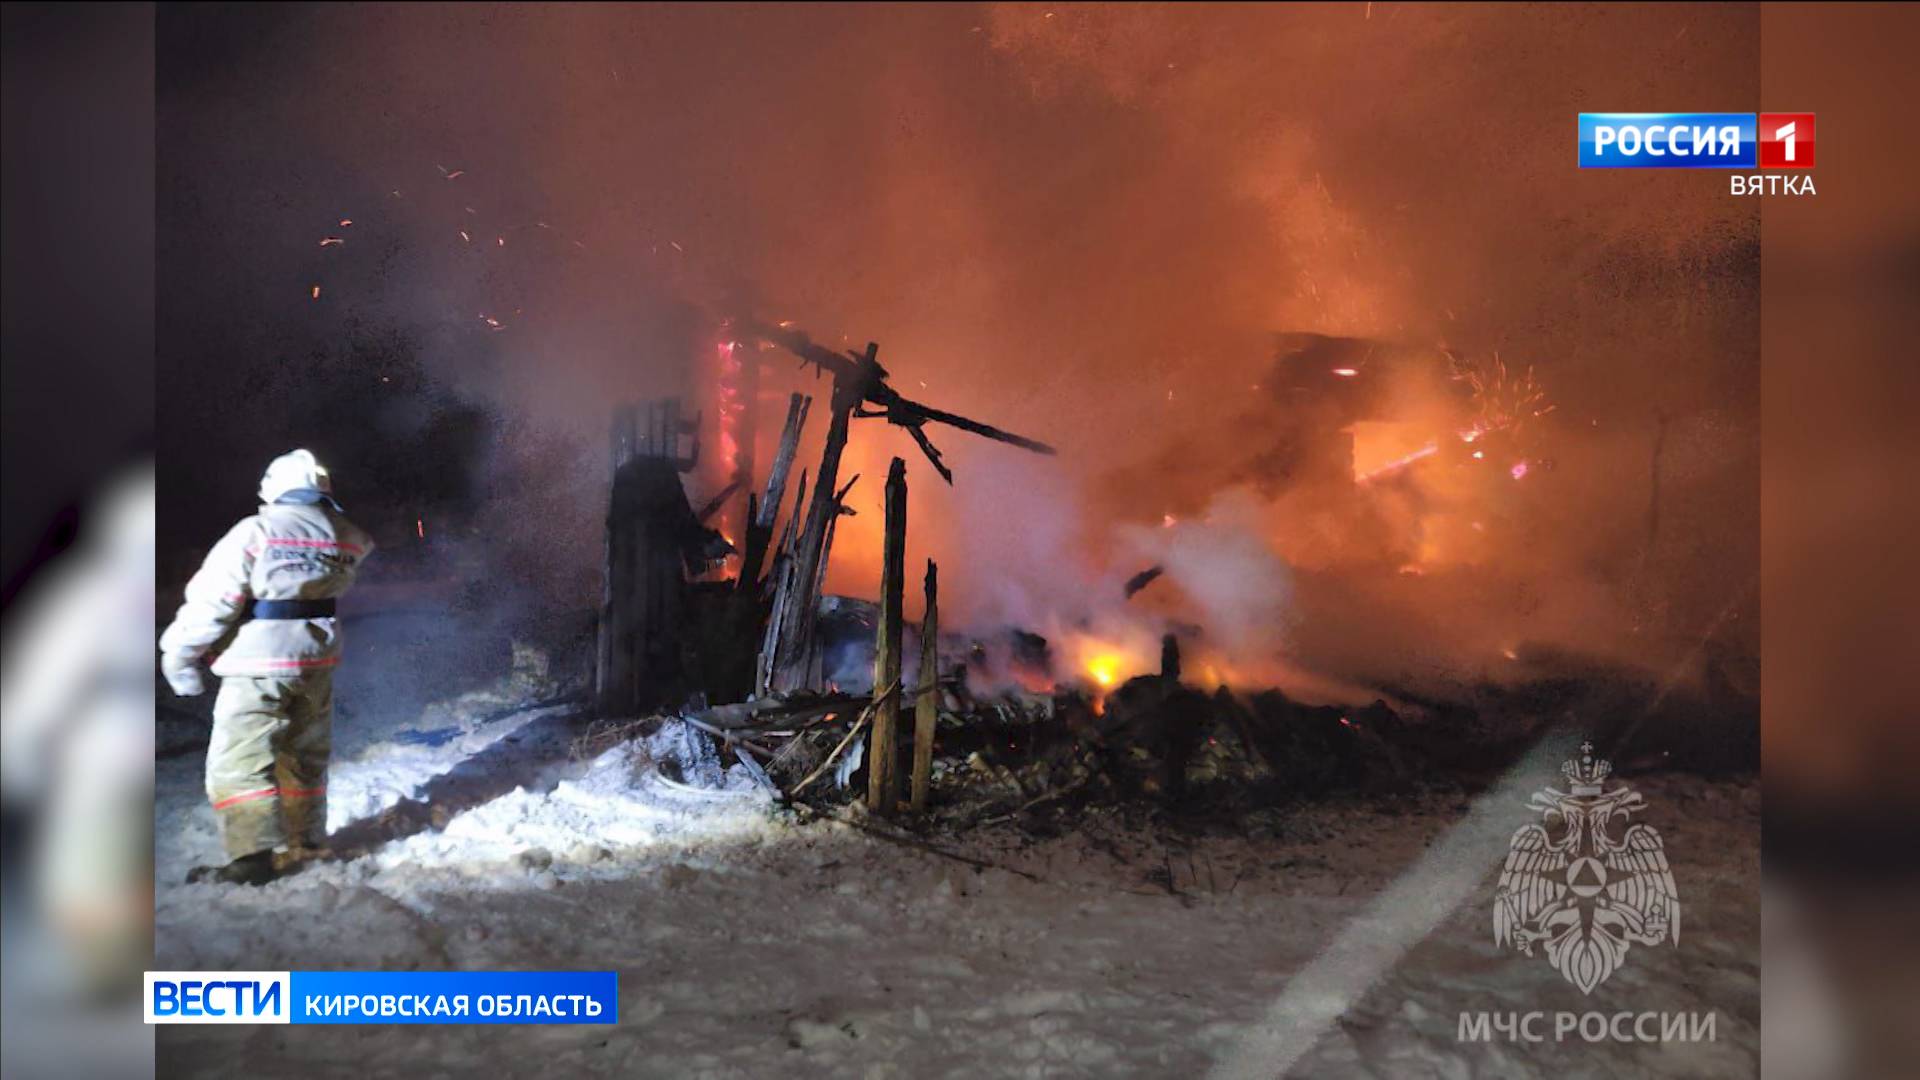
{"points": [[1696, 140], [1705, 141]]}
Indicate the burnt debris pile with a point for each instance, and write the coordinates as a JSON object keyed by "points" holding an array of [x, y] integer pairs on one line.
{"points": [[826, 700]]}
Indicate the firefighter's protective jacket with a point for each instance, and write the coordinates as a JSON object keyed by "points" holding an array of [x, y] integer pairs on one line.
{"points": [[300, 547]]}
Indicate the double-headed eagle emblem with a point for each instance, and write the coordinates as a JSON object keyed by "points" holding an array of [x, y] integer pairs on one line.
{"points": [[1586, 894]]}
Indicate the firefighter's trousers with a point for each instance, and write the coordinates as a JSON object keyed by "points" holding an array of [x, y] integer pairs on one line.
{"points": [[267, 761]]}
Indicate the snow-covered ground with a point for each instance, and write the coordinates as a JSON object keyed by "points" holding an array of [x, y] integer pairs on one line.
{"points": [[752, 944]]}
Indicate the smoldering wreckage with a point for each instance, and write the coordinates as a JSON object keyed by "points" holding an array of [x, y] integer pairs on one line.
{"points": [[917, 732]]}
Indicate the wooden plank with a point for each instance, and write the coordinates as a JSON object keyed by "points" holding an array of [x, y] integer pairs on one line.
{"points": [[761, 518], [926, 710], [814, 661], [882, 789], [719, 500], [782, 579], [797, 407], [797, 620]]}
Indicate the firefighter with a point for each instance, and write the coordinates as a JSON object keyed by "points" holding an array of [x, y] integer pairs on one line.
{"points": [[261, 610]]}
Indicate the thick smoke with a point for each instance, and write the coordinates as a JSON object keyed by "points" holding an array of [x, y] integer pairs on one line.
{"points": [[1083, 223]]}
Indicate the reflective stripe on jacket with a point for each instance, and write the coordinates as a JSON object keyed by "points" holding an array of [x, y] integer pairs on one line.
{"points": [[287, 551]]}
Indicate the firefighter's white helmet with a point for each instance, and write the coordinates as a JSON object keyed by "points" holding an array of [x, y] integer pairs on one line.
{"points": [[292, 471]]}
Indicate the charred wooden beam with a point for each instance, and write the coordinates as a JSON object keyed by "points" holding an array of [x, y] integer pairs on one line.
{"points": [[753, 553], [901, 410], [932, 452], [814, 659], [926, 709], [797, 618], [864, 374], [714, 504], [882, 789], [781, 580], [1143, 579], [763, 514], [789, 535], [798, 405], [858, 379]]}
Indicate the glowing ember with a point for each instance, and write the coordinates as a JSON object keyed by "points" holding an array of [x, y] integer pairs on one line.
{"points": [[345, 221], [731, 406], [316, 292], [1346, 372], [420, 527], [1519, 469], [1398, 463], [1105, 668], [330, 241], [464, 236], [1168, 521]]}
